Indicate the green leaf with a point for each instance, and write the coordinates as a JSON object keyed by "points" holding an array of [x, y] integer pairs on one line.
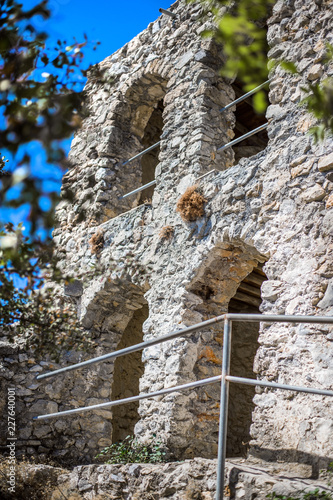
{"points": [[289, 66]]}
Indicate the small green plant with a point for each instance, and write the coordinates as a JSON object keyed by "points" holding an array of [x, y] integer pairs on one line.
{"points": [[130, 451], [311, 495], [328, 474]]}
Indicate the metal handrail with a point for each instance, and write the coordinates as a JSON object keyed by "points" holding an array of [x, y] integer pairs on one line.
{"points": [[142, 153], [233, 103], [141, 188], [243, 137], [245, 96], [275, 385], [137, 347], [108, 404], [225, 377], [179, 333]]}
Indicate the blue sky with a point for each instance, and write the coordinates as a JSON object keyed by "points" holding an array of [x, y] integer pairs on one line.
{"points": [[112, 23]]}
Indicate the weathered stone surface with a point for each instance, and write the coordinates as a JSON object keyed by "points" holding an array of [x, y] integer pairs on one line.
{"points": [[315, 72], [314, 193], [268, 223], [325, 163], [192, 479], [327, 300]]}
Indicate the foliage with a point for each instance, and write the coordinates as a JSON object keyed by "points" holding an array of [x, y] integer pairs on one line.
{"points": [[240, 28], [319, 102], [191, 204], [41, 103], [130, 451], [30, 312], [311, 495], [40, 99]]}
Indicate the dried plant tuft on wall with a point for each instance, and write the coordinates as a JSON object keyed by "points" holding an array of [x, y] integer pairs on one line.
{"points": [[96, 242], [191, 204], [166, 232]]}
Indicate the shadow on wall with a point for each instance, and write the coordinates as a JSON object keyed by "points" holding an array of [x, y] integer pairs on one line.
{"points": [[247, 300], [126, 377], [149, 161], [247, 120], [293, 456], [229, 281]]}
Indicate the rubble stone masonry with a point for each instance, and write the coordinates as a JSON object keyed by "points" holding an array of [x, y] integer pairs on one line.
{"points": [[263, 244]]}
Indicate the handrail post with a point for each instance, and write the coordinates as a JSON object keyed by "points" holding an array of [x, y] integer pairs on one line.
{"points": [[222, 444]]}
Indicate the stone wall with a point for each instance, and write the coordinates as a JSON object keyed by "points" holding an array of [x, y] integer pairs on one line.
{"points": [[267, 215], [188, 480], [74, 443]]}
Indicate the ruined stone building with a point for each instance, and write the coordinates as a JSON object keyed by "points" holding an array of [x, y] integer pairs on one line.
{"points": [[263, 243]]}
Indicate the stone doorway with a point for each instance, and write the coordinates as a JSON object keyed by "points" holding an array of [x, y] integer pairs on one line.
{"points": [[115, 311], [228, 281], [247, 300], [126, 377]]}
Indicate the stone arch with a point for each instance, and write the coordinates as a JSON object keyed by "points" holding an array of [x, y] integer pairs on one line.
{"points": [[116, 314], [138, 124], [228, 280], [128, 371]]}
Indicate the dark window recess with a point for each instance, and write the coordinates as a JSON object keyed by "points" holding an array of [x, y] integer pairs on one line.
{"points": [[244, 347], [246, 120], [149, 161], [126, 377]]}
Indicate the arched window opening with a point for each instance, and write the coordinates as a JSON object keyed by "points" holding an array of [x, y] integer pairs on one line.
{"points": [[247, 120], [229, 280], [149, 161], [244, 347], [127, 373]]}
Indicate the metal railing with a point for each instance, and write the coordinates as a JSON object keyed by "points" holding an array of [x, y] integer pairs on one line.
{"points": [[225, 378], [243, 137], [230, 144], [142, 153], [245, 96], [141, 188]]}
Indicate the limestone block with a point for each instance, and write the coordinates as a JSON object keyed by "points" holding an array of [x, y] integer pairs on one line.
{"points": [[74, 288], [325, 163], [315, 72], [328, 223], [41, 431], [184, 60], [43, 406], [327, 300], [329, 201], [314, 193], [302, 168], [270, 290]]}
